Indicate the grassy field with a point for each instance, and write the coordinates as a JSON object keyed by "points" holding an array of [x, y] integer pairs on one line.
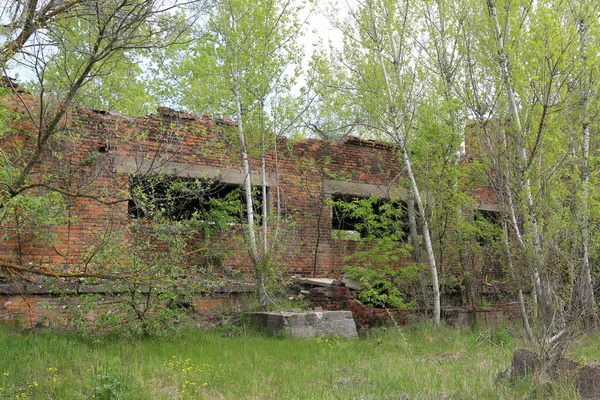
{"points": [[419, 362]]}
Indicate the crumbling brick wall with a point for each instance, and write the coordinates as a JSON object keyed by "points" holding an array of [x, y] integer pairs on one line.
{"points": [[95, 146], [96, 153], [343, 298]]}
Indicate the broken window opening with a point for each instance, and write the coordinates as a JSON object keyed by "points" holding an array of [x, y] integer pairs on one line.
{"points": [[356, 218], [489, 226], [178, 199]]}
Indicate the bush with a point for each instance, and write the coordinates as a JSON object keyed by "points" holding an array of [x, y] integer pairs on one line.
{"points": [[379, 287]]}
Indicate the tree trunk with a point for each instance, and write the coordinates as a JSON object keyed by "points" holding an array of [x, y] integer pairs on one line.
{"points": [[520, 299], [532, 240], [416, 246], [587, 290], [400, 138], [250, 228]]}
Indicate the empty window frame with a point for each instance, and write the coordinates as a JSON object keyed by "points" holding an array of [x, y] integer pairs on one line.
{"points": [[353, 218], [489, 226], [176, 198]]}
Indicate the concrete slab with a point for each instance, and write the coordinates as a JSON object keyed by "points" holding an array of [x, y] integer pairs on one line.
{"points": [[315, 281], [308, 324]]}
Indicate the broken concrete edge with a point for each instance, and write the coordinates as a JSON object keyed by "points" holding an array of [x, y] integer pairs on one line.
{"points": [[586, 377], [326, 282], [323, 282], [307, 324], [12, 289]]}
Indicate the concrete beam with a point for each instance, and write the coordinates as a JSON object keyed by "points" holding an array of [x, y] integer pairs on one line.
{"points": [[132, 165]]}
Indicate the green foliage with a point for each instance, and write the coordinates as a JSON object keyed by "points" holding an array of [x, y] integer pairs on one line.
{"points": [[32, 214], [39, 210], [257, 40], [278, 285], [164, 198], [483, 302], [131, 310], [499, 336], [373, 217], [98, 54], [124, 90], [159, 266], [345, 235], [377, 261], [381, 293], [382, 287], [369, 74], [436, 362], [108, 387], [238, 66]]}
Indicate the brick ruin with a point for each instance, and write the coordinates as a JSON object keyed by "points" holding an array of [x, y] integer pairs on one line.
{"points": [[98, 156]]}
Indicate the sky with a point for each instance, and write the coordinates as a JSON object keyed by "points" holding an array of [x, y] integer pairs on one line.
{"points": [[317, 28]]}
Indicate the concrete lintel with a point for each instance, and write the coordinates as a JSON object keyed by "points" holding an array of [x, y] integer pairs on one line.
{"points": [[488, 207], [364, 189], [132, 165]]}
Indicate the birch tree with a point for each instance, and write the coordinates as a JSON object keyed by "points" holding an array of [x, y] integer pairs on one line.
{"points": [[588, 30], [449, 64], [64, 46], [247, 56], [527, 76], [375, 70]]}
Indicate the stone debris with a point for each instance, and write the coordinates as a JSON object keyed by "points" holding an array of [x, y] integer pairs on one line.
{"points": [[586, 377]]}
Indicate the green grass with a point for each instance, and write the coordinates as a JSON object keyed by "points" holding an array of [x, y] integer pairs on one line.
{"points": [[420, 362]]}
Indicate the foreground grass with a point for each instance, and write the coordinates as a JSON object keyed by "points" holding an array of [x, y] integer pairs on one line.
{"points": [[418, 363]]}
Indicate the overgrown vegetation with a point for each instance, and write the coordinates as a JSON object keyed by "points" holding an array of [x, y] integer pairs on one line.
{"points": [[411, 74], [380, 228], [417, 363]]}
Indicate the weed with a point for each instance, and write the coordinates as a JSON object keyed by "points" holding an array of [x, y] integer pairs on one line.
{"points": [[420, 362], [498, 336], [107, 387]]}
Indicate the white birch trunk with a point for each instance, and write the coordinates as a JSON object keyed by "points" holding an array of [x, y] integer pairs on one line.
{"points": [[252, 242], [264, 208], [399, 136], [250, 225], [534, 248], [587, 289], [520, 298]]}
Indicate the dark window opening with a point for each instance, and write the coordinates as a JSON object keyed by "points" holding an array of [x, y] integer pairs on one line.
{"points": [[489, 226], [175, 198], [355, 217]]}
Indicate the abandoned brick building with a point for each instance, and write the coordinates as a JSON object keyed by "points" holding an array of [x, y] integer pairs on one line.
{"points": [[104, 159]]}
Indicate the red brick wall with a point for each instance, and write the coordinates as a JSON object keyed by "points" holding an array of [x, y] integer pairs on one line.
{"points": [[343, 298], [91, 142]]}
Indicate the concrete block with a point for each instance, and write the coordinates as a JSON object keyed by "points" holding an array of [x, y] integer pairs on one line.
{"points": [[309, 323]]}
